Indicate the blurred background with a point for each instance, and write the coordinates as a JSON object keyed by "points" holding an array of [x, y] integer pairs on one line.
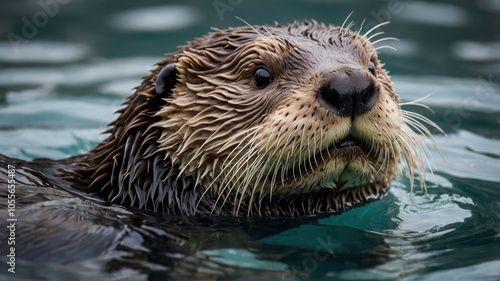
{"points": [[67, 65], [451, 38]]}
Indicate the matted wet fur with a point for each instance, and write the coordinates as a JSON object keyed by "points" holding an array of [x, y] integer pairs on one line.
{"points": [[218, 144]]}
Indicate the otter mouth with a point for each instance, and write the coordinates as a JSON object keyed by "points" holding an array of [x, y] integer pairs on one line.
{"points": [[348, 142], [345, 144], [349, 145]]}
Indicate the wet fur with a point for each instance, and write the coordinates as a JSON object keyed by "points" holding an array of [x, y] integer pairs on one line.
{"points": [[218, 146]]}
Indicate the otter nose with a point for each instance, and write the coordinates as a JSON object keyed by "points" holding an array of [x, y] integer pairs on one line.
{"points": [[349, 93]]}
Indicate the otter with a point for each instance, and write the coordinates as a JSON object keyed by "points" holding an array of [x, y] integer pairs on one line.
{"points": [[265, 121]]}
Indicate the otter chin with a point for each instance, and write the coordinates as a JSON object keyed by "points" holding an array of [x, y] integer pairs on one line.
{"points": [[268, 121]]}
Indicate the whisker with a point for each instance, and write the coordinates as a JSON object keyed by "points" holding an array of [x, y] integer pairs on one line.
{"points": [[384, 39], [249, 133], [417, 155], [350, 25], [375, 35], [385, 47], [419, 117], [253, 28], [247, 181], [230, 182], [242, 178], [346, 19], [361, 26], [417, 102], [375, 27]]}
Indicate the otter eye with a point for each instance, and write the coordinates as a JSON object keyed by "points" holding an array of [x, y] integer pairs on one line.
{"points": [[371, 68], [262, 77]]}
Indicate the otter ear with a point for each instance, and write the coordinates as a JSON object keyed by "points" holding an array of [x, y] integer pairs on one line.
{"points": [[166, 80]]}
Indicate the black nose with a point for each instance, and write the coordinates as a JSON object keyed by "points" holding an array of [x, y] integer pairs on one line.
{"points": [[349, 93]]}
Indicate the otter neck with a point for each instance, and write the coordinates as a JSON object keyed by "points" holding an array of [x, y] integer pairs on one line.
{"points": [[127, 169]]}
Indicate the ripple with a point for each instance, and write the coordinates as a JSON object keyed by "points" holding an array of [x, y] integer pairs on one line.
{"points": [[404, 48], [477, 51], [29, 143], [430, 212], [77, 74], [50, 52], [67, 113], [471, 156], [122, 87], [161, 18], [243, 259], [433, 14], [483, 271], [467, 94], [489, 5], [492, 68], [23, 96]]}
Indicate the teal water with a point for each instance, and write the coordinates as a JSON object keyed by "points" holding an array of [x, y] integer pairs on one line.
{"points": [[61, 81]]}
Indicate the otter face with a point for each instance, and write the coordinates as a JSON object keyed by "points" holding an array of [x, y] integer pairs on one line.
{"points": [[287, 120]]}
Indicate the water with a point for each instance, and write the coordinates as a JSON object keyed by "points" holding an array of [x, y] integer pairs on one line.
{"points": [[61, 81]]}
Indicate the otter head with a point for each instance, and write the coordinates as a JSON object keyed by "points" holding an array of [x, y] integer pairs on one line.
{"points": [[269, 121], [285, 120]]}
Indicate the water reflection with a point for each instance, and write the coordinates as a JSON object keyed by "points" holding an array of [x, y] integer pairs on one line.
{"points": [[46, 52], [440, 14], [477, 51], [160, 18]]}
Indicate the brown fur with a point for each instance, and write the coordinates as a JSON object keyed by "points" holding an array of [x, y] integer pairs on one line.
{"points": [[219, 146]]}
